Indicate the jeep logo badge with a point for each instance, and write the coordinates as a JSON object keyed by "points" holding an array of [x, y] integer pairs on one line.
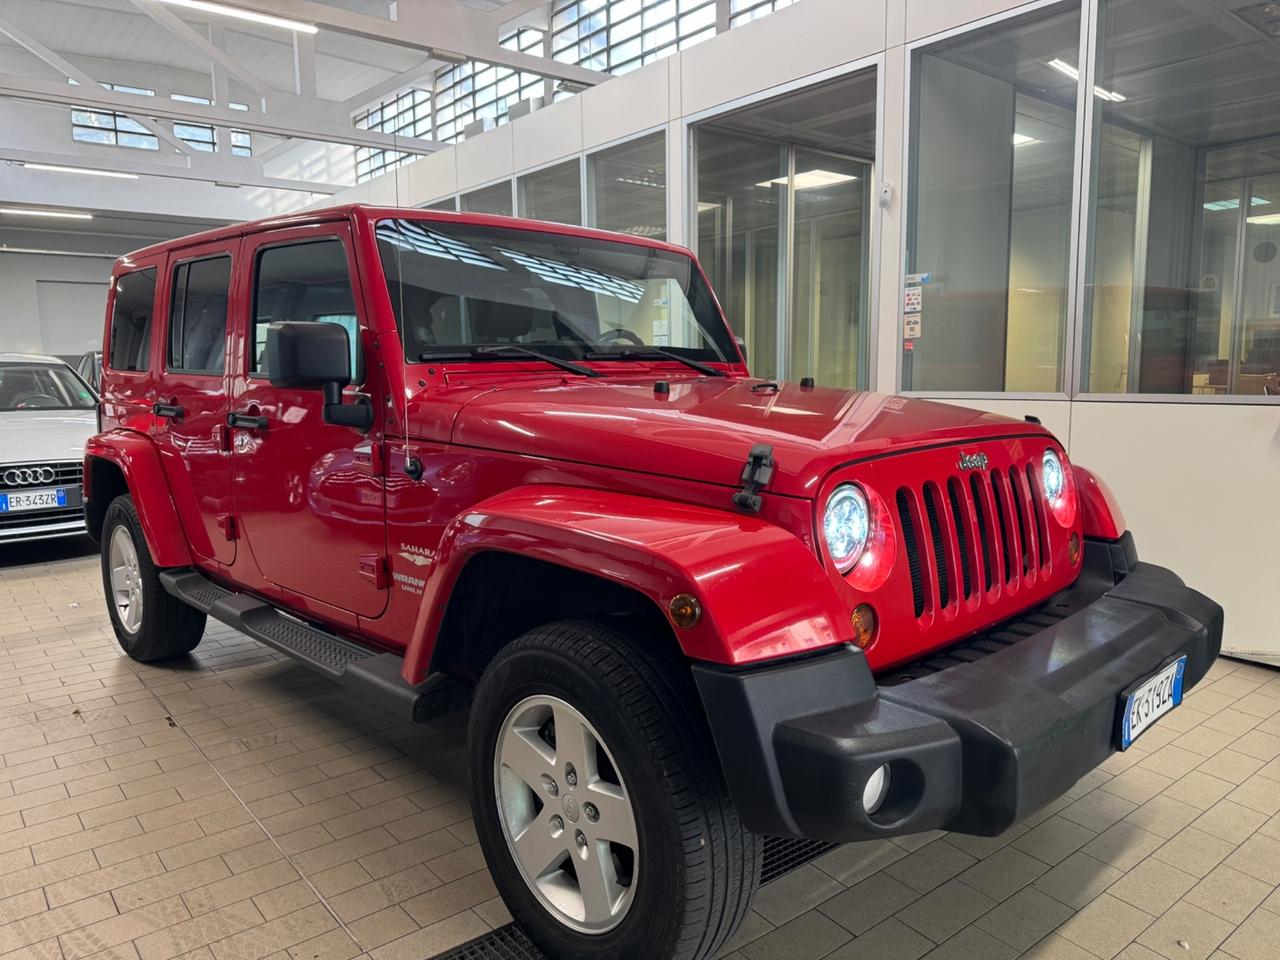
{"points": [[973, 461]]}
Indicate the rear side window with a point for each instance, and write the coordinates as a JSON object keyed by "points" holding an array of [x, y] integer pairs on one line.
{"points": [[302, 281], [198, 316], [131, 320]]}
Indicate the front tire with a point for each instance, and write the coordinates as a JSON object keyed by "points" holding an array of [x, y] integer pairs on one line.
{"points": [[149, 622], [599, 803]]}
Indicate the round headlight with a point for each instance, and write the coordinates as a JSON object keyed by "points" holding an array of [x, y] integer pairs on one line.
{"points": [[1052, 477], [845, 525]]}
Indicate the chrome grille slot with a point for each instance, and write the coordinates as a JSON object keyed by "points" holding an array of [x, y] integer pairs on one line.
{"points": [[960, 524]]}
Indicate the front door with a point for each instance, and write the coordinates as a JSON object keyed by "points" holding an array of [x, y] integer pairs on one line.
{"points": [[190, 403], [309, 496]]}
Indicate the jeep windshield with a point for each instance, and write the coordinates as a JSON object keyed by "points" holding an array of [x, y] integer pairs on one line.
{"points": [[42, 386], [461, 291]]}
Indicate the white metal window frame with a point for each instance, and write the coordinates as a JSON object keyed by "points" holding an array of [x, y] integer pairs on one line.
{"points": [[407, 118], [569, 52], [1077, 326], [865, 376], [447, 92]]}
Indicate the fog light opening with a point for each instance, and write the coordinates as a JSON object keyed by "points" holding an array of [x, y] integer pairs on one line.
{"points": [[876, 790]]}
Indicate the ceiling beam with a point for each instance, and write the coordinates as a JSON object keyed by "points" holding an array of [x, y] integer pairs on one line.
{"points": [[207, 168], [72, 72], [337, 130], [193, 38], [444, 26]]}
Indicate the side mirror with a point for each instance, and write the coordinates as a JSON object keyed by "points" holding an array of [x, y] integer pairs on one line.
{"points": [[312, 355]]}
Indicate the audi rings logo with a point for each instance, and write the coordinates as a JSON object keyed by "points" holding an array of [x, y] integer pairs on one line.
{"points": [[25, 476]]}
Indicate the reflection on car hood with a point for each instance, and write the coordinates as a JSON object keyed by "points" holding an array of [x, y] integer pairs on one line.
{"points": [[44, 436], [704, 428]]}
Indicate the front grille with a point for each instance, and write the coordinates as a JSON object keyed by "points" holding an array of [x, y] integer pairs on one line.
{"points": [[67, 474], [985, 536]]}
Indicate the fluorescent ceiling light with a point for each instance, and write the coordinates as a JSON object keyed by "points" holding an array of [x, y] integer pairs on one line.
{"points": [[1019, 139], [705, 205], [86, 171], [1065, 68], [1234, 203], [1266, 220], [32, 212], [207, 6], [811, 179]]}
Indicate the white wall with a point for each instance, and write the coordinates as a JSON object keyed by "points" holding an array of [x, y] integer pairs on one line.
{"points": [[22, 327], [1198, 482]]}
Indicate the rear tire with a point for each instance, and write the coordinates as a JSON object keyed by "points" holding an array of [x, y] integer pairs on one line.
{"points": [[149, 622], [684, 889]]}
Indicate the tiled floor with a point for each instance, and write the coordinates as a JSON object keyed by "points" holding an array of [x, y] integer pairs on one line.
{"points": [[236, 806]]}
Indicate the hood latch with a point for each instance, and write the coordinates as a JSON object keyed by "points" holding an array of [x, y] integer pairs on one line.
{"points": [[756, 474]]}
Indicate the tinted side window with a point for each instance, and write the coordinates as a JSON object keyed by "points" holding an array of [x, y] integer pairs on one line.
{"points": [[198, 316], [302, 281], [131, 321]]}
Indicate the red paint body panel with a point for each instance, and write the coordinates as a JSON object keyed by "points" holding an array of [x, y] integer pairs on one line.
{"points": [[139, 461], [728, 561], [603, 475], [1099, 507]]}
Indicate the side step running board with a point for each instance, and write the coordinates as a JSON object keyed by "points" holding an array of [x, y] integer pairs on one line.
{"points": [[374, 674]]}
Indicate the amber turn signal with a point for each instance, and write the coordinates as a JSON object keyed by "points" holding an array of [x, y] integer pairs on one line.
{"points": [[864, 625], [1073, 549], [685, 609]]}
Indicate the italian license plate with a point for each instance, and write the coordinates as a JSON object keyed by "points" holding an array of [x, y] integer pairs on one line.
{"points": [[1148, 700], [33, 500]]}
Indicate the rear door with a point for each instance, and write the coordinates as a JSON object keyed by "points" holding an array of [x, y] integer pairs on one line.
{"points": [[310, 495], [191, 403]]}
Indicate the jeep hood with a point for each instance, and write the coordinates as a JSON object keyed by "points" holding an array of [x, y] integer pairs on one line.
{"points": [[704, 428]]}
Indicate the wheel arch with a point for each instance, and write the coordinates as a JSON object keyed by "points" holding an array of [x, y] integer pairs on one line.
{"points": [[127, 462], [762, 592], [478, 622]]}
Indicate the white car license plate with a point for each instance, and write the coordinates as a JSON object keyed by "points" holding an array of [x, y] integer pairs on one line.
{"points": [[33, 500], [1149, 700]]}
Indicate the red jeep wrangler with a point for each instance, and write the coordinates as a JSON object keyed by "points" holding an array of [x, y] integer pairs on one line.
{"points": [[425, 453]]}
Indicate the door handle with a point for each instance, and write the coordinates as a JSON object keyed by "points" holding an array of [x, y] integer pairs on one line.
{"points": [[246, 421], [170, 410]]}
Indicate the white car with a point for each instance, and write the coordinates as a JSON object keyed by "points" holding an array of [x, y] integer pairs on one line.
{"points": [[46, 415]]}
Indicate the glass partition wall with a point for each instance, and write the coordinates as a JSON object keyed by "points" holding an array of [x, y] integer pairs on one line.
{"points": [[783, 219], [989, 218], [1182, 278]]}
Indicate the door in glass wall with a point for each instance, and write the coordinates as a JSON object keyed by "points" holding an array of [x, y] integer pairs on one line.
{"points": [[991, 186], [627, 188], [1180, 266], [494, 200], [553, 194], [742, 196], [830, 266], [783, 227]]}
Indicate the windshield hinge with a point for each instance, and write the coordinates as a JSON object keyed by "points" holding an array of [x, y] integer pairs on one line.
{"points": [[756, 474]]}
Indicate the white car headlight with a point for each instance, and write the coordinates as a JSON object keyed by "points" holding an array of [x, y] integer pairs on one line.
{"points": [[1052, 477], [846, 523]]}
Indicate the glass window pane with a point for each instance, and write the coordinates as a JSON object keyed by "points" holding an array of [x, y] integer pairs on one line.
{"points": [[495, 199], [1182, 277], [135, 295], [991, 183], [553, 194], [629, 187], [198, 316], [299, 281]]}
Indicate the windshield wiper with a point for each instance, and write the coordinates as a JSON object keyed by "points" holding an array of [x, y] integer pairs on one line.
{"points": [[649, 353], [480, 353]]}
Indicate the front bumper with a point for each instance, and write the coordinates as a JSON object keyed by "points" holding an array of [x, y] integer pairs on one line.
{"points": [[970, 748]]}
